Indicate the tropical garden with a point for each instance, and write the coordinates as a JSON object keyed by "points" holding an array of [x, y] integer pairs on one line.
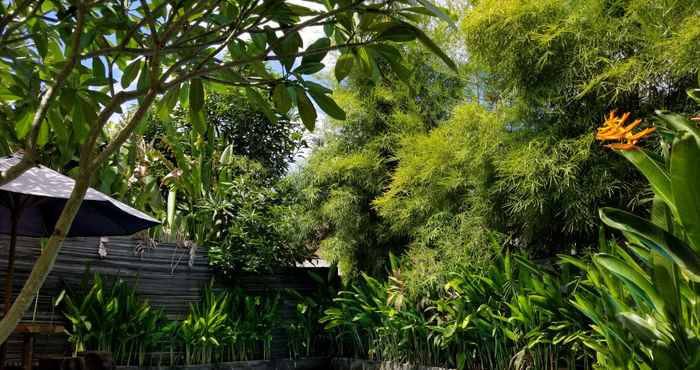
{"points": [[495, 184]]}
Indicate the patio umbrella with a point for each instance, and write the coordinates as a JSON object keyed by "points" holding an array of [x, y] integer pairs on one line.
{"points": [[31, 204]]}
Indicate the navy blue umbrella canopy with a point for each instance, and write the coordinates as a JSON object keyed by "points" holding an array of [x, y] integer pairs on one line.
{"points": [[31, 204], [37, 198]]}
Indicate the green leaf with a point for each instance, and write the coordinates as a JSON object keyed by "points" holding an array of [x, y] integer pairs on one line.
{"points": [[23, 125], [640, 328], [343, 66], [196, 98], [98, 69], [654, 171], [665, 279], [43, 136], [308, 68], [288, 45], [198, 122], [41, 42], [130, 72], [685, 184], [400, 32], [317, 87], [328, 29], [281, 98], [316, 51], [680, 123], [366, 60], [437, 12], [660, 239], [261, 103], [307, 112], [694, 94], [328, 105], [430, 44], [80, 125], [168, 102], [259, 40], [59, 127], [625, 272], [144, 80]]}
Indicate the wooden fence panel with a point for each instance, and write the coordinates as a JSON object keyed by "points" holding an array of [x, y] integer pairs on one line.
{"points": [[167, 276]]}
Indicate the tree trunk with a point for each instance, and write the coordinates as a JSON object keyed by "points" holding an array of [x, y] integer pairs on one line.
{"points": [[46, 260]]}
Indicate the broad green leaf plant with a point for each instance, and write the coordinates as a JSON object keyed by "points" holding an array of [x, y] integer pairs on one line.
{"points": [[641, 293], [68, 66]]}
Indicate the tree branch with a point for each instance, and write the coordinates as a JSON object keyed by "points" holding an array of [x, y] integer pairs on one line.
{"points": [[125, 132], [10, 16], [259, 58], [30, 147]]}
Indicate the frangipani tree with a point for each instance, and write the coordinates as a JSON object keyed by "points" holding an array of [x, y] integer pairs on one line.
{"points": [[68, 66]]}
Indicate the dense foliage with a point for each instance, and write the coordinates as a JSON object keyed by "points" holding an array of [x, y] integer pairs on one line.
{"points": [[219, 188], [226, 325], [336, 187], [515, 315], [431, 166], [631, 306]]}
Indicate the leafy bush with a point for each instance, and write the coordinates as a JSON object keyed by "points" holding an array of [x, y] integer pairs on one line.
{"points": [[248, 221], [515, 315], [111, 318], [641, 293], [228, 326], [305, 333]]}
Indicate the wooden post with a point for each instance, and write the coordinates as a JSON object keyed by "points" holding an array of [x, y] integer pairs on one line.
{"points": [[7, 303], [10, 263], [28, 354]]}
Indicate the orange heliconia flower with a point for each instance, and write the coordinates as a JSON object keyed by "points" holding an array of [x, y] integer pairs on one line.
{"points": [[614, 129]]}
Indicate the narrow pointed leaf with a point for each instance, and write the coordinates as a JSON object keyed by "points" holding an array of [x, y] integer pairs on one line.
{"points": [[328, 105], [665, 242], [437, 12], [654, 171], [625, 272], [685, 173]]}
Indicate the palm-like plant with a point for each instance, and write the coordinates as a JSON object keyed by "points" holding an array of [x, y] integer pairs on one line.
{"points": [[514, 316], [111, 318], [642, 294]]}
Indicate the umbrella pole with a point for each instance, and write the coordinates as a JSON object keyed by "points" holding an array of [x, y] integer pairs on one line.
{"points": [[8, 279], [10, 264]]}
